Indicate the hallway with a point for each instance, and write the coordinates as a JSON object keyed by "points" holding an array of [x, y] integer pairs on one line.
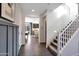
{"points": [[33, 48]]}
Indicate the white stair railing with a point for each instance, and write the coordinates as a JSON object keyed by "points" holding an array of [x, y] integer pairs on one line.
{"points": [[66, 34]]}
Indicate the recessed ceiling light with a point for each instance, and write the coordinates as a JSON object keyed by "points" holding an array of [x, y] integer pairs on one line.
{"points": [[33, 10]]}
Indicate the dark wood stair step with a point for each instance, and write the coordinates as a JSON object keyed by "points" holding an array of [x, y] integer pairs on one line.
{"points": [[54, 45], [54, 53], [56, 37], [55, 41]]}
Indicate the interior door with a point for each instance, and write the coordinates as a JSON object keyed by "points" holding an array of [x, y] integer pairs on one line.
{"points": [[3, 40], [15, 41], [10, 41]]}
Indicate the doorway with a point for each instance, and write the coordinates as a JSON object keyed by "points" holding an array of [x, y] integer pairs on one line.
{"points": [[45, 28], [31, 28]]}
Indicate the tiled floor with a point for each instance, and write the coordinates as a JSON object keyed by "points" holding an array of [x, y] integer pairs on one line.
{"points": [[33, 48]]}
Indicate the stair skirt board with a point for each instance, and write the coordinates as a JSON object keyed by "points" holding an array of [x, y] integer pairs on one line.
{"points": [[51, 51]]}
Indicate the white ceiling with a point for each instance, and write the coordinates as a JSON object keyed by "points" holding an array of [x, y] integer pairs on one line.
{"points": [[38, 7]]}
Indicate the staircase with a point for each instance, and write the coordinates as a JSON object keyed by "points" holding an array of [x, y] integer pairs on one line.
{"points": [[59, 43], [53, 46]]}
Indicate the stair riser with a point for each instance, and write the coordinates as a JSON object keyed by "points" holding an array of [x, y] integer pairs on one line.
{"points": [[55, 41]]}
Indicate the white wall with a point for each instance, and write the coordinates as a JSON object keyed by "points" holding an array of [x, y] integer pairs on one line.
{"points": [[42, 30], [59, 18], [42, 27], [19, 20]]}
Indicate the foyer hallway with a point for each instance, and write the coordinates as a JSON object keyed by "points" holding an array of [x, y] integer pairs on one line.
{"points": [[33, 48]]}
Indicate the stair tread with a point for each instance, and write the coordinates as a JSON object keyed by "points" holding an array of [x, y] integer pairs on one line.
{"points": [[55, 43], [53, 48], [52, 51]]}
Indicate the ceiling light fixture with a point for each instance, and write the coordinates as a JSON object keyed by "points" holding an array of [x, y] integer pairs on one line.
{"points": [[33, 10]]}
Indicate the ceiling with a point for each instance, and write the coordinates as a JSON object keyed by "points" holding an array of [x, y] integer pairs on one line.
{"points": [[38, 7]]}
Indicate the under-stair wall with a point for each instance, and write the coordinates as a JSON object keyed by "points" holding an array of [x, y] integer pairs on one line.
{"points": [[72, 48], [67, 38]]}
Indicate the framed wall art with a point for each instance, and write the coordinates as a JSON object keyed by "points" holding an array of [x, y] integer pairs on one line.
{"points": [[7, 11]]}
